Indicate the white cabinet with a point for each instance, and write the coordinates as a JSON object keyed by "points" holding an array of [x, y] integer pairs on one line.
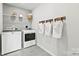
{"points": [[11, 41]]}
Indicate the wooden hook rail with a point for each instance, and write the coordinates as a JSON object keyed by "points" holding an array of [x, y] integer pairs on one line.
{"points": [[49, 20], [60, 18]]}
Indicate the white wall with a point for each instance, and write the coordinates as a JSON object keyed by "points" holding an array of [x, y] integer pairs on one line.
{"points": [[1, 18], [7, 10], [70, 39], [1, 23]]}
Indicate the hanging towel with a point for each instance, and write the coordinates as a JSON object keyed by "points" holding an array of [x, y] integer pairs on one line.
{"points": [[41, 28], [57, 29], [48, 28]]}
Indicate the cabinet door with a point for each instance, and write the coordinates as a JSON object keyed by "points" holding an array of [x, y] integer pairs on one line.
{"points": [[5, 38], [11, 41], [14, 41]]}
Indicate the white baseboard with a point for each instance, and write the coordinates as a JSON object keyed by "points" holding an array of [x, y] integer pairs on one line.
{"points": [[52, 54], [74, 50]]}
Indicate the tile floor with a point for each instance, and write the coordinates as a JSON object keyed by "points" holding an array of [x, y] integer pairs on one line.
{"points": [[30, 51]]}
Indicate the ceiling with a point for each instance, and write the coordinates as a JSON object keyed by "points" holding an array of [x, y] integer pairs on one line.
{"points": [[29, 6]]}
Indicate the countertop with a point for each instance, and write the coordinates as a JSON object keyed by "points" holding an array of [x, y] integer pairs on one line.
{"points": [[11, 30]]}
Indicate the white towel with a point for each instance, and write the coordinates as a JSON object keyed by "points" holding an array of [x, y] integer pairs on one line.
{"points": [[48, 28], [57, 29], [41, 28]]}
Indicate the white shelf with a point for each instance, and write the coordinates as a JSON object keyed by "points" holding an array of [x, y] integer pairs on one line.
{"points": [[13, 15], [7, 15]]}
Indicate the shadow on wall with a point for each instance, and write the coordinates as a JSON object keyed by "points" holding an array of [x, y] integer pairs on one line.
{"points": [[62, 44], [0, 44]]}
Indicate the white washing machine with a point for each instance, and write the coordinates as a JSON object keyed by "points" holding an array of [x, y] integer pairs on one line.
{"points": [[28, 38]]}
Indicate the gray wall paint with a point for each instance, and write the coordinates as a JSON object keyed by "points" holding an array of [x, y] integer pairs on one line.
{"points": [[7, 22], [1, 23], [70, 39], [1, 18]]}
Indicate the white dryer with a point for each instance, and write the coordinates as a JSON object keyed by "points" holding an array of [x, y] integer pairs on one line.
{"points": [[28, 38]]}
